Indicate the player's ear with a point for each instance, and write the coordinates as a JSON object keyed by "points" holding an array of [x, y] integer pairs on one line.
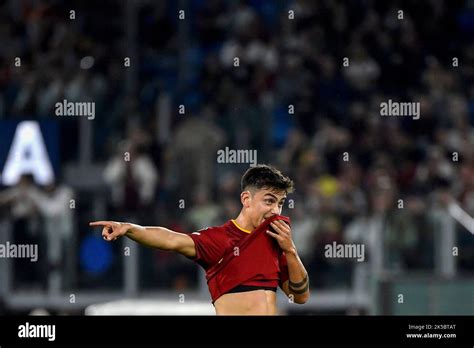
{"points": [[245, 198]]}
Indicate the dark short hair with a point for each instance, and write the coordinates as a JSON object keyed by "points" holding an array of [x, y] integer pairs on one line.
{"points": [[266, 176]]}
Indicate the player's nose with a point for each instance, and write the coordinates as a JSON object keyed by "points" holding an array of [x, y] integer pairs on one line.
{"points": [[276, 210]]}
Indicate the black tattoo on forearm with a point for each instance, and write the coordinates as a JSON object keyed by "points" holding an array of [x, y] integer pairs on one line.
{"points": [[299, 288], [300, 284], [300, 291]]}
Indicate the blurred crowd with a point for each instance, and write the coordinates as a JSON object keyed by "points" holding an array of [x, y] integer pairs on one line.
{"points": [[292, 95]]}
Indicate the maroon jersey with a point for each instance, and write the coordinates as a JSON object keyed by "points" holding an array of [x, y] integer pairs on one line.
{"points": [[260, 263]]}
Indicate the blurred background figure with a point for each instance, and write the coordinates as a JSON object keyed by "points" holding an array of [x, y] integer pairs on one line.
{"points": [[24, 227], [132, 179], [56, 204]]}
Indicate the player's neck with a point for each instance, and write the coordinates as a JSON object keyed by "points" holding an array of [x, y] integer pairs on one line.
{"points": [[244, 222]]}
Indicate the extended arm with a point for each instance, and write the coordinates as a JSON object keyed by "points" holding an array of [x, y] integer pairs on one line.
{"points": [[153, 237]]}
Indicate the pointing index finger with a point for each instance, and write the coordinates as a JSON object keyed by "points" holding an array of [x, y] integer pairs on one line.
{"points": [[99, 223]]}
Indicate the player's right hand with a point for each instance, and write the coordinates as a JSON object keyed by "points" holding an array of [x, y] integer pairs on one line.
{"points": [[111, 229]]}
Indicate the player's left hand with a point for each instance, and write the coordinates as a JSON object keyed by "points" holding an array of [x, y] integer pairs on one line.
{"points": [[282, 235]]}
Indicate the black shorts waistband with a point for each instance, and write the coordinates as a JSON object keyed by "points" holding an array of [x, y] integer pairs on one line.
{"points": [[244, 288]]}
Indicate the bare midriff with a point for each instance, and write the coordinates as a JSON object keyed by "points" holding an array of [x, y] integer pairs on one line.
{"points": [[256, 302]]}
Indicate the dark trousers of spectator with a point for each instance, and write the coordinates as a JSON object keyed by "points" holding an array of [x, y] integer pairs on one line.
{"points": [[25, 272]]}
